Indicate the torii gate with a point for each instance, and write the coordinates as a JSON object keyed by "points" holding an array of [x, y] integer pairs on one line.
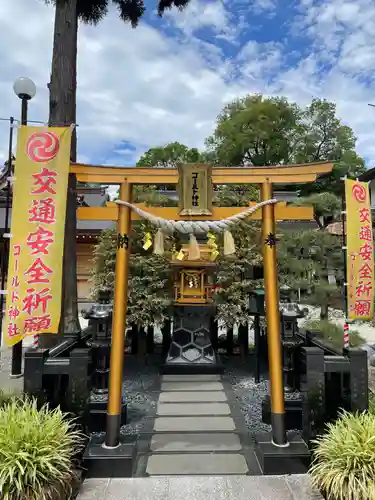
{"points": [[264, 176]]}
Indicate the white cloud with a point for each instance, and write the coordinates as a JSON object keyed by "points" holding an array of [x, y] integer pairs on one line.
{"points": [[144, 88]]}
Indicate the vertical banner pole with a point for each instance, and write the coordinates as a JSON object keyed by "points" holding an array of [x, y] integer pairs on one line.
{"points": [[112, 439], [273, 318]]}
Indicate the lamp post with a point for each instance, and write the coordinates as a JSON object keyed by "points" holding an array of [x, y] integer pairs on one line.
{"points": [[25, 89]]}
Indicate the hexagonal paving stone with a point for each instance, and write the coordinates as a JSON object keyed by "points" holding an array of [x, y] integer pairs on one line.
{"points": [[175, 350], [191, 353], [201, 338], [182, 337], [208, 352]]}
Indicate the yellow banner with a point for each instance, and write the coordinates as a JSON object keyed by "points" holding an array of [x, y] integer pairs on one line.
{"points": [[34, 283], [359, 251]]}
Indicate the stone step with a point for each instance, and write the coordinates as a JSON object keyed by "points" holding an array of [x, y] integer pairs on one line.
{"points": [[192, 386], [192, 397], [193, 424], [196, 464], [191, 378], [188, 443], [181, 409]]}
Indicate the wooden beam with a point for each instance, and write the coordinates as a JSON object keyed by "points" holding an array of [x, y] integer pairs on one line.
{"points": [[109, 213], [283, 174]]}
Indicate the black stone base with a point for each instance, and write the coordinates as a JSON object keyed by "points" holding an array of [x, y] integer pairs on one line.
{"points": [[293, 413], [97, 415], [192, 369], [275, 460], [101, 462]]}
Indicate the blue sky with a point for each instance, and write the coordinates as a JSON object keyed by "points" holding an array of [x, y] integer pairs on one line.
{"points": [[168, 79]]}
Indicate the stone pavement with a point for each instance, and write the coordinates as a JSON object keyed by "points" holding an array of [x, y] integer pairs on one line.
{"points": [[296, 487], [194, 432], [8, 384]]}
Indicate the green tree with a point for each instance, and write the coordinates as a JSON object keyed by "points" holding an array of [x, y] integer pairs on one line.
{"points": [[233, 275], [311, 262], [255, 130], [149, 286], [170, 155], [235, 195], [62, 111], [326, 138], [327, 207]]}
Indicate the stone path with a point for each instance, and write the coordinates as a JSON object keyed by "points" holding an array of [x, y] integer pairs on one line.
{"points": [[8, 384], [194, 432], [296, 487], [197, 450]]}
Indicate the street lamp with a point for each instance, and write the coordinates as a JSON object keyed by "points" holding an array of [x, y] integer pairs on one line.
{"points": [[25, 89]]}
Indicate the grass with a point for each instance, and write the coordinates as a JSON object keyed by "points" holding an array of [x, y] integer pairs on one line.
{"points": [[343, 466], [334, 334], [37, 450]]}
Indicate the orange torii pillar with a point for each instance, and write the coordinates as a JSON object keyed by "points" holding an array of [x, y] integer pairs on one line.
{"points": [[275, 361]]}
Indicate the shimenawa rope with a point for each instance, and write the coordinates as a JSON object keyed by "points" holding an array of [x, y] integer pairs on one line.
{"points": [[197, 226]]}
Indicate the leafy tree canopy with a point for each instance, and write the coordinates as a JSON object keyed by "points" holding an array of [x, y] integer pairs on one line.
{"points": [[170, 155], [93, 11], [255, 130]]}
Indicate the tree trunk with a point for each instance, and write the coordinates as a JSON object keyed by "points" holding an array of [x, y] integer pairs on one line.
{"points": [[324, 311], [62, 111], [142, 345]]}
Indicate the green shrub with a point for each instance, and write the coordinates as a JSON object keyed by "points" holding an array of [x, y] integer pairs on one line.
{"points": [[37, 450], [9, 396], [343, 466], [334, 334]]}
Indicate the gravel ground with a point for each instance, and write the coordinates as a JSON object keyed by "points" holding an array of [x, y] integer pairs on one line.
{"points": [[141, 389], [250, 396]]}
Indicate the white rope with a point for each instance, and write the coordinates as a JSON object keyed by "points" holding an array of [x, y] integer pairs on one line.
{"points": [[197, 226]]}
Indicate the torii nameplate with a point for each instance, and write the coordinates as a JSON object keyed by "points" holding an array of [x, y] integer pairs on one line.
{"points": [[195, 189]]}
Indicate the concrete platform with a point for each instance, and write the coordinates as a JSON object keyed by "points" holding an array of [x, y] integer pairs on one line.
{"points": [[196, 464], [188, 443], [170, 409], [192, 397], [296, 487], [192, 386], [193, 424]]}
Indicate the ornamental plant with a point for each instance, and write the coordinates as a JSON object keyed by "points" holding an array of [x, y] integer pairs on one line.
{"points": [[343, 466], [37, 451]]}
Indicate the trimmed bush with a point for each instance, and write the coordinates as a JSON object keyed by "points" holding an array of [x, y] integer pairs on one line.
{"points": [[37, 450], [334, 334], [343, 465]]}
